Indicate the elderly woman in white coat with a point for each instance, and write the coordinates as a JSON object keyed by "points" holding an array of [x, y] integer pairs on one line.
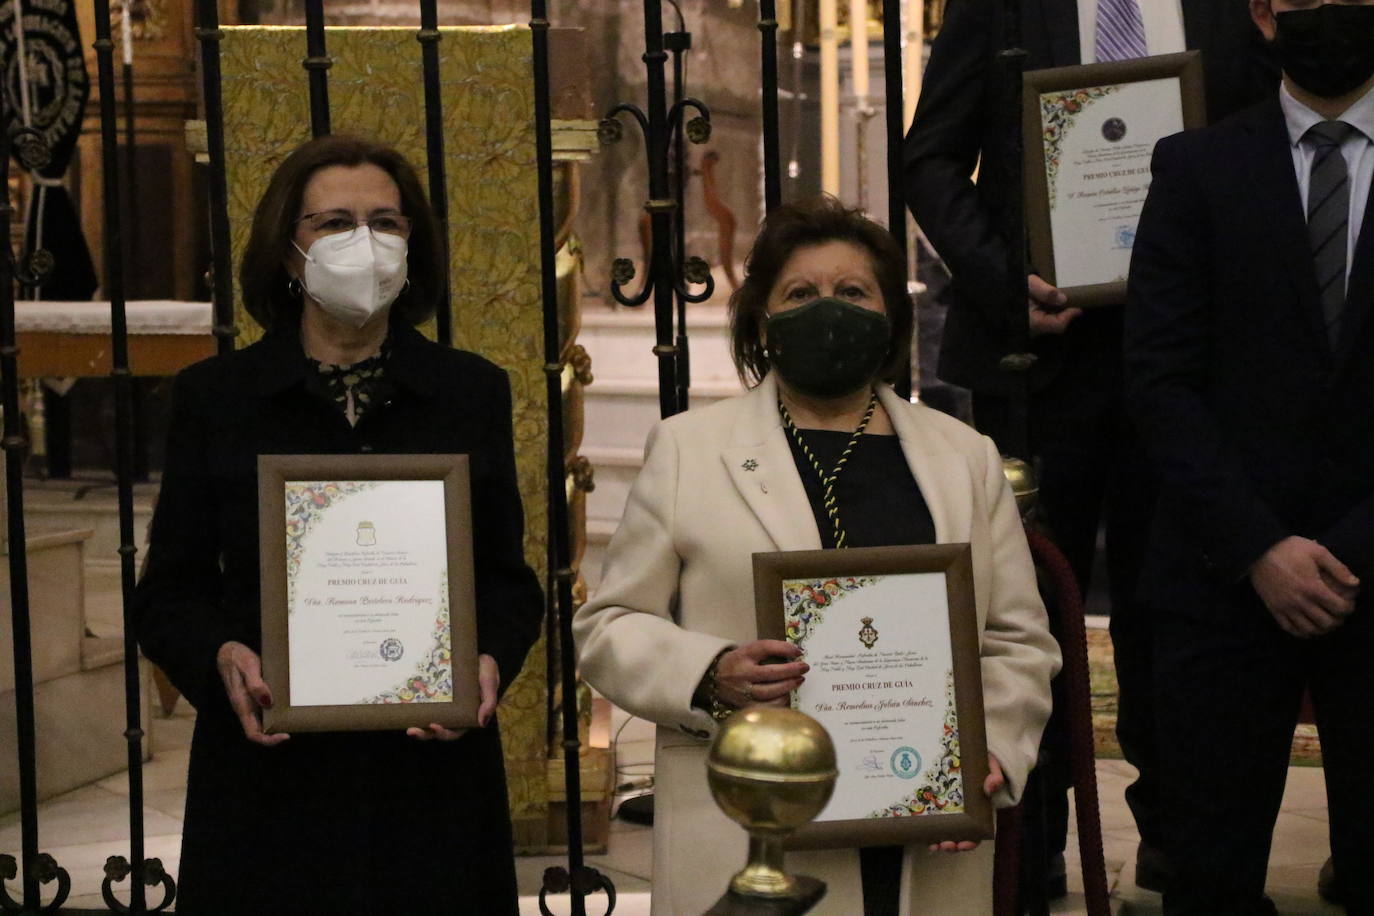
{"points": [[818, 453]]}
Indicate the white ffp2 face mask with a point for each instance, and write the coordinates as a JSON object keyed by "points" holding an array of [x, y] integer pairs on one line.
{"points": [[354, 275]]}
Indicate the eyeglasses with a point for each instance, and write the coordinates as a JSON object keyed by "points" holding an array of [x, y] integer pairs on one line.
{"points": [[332, 222]]}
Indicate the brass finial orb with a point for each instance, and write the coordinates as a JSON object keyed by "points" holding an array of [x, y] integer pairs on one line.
{"points": [[771, 770], [1023, 483]]}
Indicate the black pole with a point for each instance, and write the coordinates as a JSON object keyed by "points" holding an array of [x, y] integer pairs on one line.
{"points": [[660, 207], [892, 102], [221, 276], [559, 553], [679, 43], [317, 61], [131, 215], [429, 37], [14, 446], [123, 386], [1018, 362], [772, 164]]}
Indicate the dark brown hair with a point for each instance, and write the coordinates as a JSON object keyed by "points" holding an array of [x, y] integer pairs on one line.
{"points": [[802, 224], [264, 279]]}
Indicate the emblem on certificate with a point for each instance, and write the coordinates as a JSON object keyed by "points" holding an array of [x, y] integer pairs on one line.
{"points": [[1089, 134], [367, 591], [868, 635], [891, 635]]}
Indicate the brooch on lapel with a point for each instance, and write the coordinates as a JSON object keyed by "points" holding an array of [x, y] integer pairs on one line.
{"points": [[750, 464]]}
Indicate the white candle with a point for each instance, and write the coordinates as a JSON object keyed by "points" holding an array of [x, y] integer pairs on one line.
{"points": [[126, 32], [914, 62], [858, 47], [830, 98]]}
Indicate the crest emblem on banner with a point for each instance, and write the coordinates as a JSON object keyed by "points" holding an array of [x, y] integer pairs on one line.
{"points": [[53, 73]]}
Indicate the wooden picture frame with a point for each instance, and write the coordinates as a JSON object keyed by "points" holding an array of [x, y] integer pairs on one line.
{"points": [[400, 589], [793, 588], [1053, 103]]}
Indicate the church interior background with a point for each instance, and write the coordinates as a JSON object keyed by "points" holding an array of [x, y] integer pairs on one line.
{"points": [[610, 388]]}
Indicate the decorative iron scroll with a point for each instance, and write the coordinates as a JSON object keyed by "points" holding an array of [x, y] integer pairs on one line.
{"points": [[666, 275]]}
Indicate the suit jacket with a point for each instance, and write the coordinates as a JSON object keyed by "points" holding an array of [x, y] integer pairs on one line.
{"points": [[678, 588], [1259, 427], [958, 121], [321, 809]]}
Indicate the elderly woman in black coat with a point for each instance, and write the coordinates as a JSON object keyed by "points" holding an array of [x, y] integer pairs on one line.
{"points": [[343, 260]]}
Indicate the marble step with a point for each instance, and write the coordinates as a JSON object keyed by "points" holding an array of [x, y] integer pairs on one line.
{"points": [[67, 504], [79, 729], [620, 343], [57, 608]]}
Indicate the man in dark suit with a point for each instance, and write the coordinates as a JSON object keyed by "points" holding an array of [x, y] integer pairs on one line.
{"points": [[1248, 341], [1090, 464]]}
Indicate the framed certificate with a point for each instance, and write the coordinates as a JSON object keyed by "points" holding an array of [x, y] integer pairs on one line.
{"points": [[1090, 132], [368, 615], [891, 635]]}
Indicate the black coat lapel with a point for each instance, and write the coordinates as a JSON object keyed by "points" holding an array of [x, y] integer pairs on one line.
{"points": [[1059, 19], [1359, 298], [1276, 182], [1197, 23]]}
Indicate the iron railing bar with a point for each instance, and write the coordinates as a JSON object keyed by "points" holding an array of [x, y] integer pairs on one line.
{"points": [[317, 63], [660, 208], [221, 276], [123, 385], [680, 42], [559, 552], [429, 37], [13, 444], [772, 164]]}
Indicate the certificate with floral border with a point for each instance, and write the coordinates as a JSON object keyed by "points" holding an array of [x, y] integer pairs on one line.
{"points": [[1090, 133], [368, 617], [891, 635]]}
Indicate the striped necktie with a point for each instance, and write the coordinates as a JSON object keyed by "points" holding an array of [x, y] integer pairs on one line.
{"points": [[1328, 218], [1120, 30]]}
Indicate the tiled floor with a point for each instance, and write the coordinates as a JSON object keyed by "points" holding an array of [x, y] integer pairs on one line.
{"points": [[83, 827]]}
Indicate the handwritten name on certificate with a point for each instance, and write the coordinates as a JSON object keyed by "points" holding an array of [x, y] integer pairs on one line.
{"points": [[367, 592], [1098, 144], [881, 682]]}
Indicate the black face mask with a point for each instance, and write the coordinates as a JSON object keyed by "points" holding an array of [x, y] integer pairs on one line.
{"points": [[828, 348], [1327, 50]]}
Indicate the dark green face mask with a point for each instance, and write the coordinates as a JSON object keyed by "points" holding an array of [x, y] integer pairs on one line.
{"points": [[828, 348]]}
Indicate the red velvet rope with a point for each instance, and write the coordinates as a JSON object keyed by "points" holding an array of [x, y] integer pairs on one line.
{"points": [[1067, 605]]}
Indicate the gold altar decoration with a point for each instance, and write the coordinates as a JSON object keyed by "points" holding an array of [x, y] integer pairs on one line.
{"points": [[771, 770], [1024, 486], [375, 88]]}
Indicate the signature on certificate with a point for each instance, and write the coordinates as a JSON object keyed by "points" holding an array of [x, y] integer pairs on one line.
{"points": [[871, 764]]}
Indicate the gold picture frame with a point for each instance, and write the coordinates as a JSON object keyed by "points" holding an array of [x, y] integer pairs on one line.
{"points": [[1068, 91], [324, 480], [779, 580]]}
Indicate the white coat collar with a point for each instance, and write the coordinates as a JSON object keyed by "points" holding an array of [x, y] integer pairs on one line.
{"points": [[759, 462]]}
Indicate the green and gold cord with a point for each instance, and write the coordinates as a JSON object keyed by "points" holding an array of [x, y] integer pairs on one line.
{"points": [[832, 508]]}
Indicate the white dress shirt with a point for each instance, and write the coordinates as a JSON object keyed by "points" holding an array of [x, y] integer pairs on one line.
{"points": [[1358, 150], [1163, 20]]}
